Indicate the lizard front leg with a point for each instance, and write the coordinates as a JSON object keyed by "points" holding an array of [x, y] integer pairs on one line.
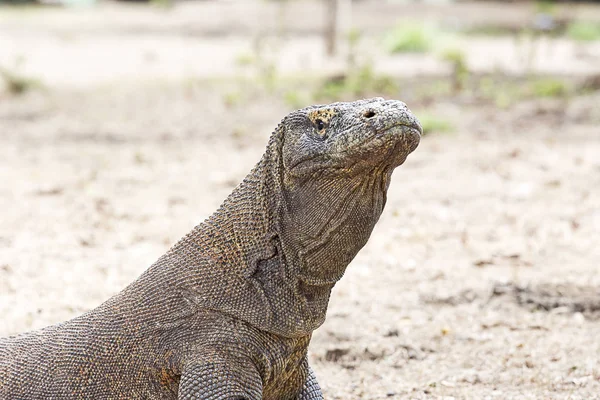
{"points": [[219, 378], [311, 389]]}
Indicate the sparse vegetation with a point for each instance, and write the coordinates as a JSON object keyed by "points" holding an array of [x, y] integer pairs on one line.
{"points": [[548, 87], [260, 63], [294, 99], [232, 98], [504, 99], [162, 3], [359, 79], [16, 83], [245, 59], [498, 89], [409, 38], [358, 82], [504, 91], [432, 124], [460, 71], [433, 89], [353, 38], [546, 6], [583, 31]]}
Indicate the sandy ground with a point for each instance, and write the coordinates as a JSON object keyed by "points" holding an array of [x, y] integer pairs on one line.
{"points": [[480, 281]]}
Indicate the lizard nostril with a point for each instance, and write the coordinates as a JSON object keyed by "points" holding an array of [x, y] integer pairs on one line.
{"points": [[369, 114]]}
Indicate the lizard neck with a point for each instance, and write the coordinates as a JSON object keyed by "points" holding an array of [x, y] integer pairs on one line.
{"points": [[277, 248], [327, 222]]}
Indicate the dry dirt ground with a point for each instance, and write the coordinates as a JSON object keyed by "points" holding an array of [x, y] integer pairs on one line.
{"points": [[480, 281]]}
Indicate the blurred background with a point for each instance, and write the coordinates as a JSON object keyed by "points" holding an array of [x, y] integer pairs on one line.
{"points": [[124, 124]]}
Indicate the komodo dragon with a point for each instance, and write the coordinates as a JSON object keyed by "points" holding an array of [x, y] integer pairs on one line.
{"points": [[228, 311]]}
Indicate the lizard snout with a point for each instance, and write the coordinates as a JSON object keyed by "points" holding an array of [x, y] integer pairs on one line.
{"points": [[383, 115]]}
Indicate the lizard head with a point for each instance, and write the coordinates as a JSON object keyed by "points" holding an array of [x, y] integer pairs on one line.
{"points": [[349, 138], [337, 162]]}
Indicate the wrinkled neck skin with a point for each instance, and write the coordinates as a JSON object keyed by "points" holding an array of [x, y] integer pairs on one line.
{"points": [[281, 244], [327, 220]]}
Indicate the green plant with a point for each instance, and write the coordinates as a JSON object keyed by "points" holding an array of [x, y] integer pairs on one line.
{"points": [[546, 6], [162, 3], [17, 83], [360, 81], [294, 99], [504, 99], [353, 38], [409, 38], [260, 63], [460, 70], [232, 98], [245, 59], [499, 89], [486, 86], [548, 87], [583, 31], [432, 124]]}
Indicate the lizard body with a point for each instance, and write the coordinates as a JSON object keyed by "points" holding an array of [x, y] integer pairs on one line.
{"points": [[228, 311]]}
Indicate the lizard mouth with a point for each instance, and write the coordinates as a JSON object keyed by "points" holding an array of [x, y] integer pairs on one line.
{"points": [[412, 127], [414, 124], [407, 133]]}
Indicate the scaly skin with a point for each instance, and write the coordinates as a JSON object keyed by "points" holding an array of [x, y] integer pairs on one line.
{"points": [[228, 312]]}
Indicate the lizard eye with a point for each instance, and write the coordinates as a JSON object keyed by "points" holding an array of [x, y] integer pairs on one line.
{"points": [[320, 126]]}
